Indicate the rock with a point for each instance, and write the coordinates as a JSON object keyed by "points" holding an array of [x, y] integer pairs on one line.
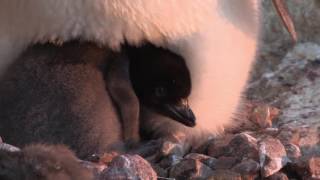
{"points": [[190, 169], [95, 168], [278, 176], [309, 138], [293, 152], [170, 160], [243, 146], [272, 155], [128, 167], [105, 158], [314, 167], [289, 135], [225, 162], [225, 175], [169, 148], [161, 172], [217, 146], [207, 160], [262, 115], [203, 148], [247, 167], [271, 131], [149, 150]]}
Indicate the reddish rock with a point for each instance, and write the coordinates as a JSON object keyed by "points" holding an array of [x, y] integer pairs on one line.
{"points": [[190, 169], [278, 176], [309, 137], [107, 158], [225, 175], [247, 167], [95, 168], [314, 167], [270, 131], [262, 115], [203, 148], [217, 147], [272, 155], [225, 162], [293, 152], [169, 148], [289, 135], [161, 172], [243, 146], [207, 160], [128, 167], [169, 161]]}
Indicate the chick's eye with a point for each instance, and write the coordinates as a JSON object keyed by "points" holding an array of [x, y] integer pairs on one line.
{"points": [[160, 91]]}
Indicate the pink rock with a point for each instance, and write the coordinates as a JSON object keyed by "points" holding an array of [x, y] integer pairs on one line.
{"points": [[217, 146], [225, 162], [243, 146], [278, 176], [272, 155], [247, 167], [128, 167], [225, 175], [207, 160], [190, 169], [314, 167]]}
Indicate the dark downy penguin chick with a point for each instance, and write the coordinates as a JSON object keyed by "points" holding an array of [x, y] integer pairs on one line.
{"points": [[152, 72], [42, 162], [162, 81], [57, 94], [65, 97]]}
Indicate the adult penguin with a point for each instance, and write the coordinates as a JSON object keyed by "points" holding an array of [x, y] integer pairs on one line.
{"points": [[218, 40]]}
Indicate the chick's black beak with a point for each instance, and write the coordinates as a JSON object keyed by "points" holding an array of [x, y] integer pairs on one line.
{"points": [[180, 112]]}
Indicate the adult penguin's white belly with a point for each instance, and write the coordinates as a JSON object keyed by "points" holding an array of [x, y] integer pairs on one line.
{"points": [[219, 60], [219, 57]]}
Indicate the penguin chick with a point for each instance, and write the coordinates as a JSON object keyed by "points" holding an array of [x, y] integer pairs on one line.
{"points": [[42, 162], [151, 82], [57, 94], [162, 81], [53, 105]]}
